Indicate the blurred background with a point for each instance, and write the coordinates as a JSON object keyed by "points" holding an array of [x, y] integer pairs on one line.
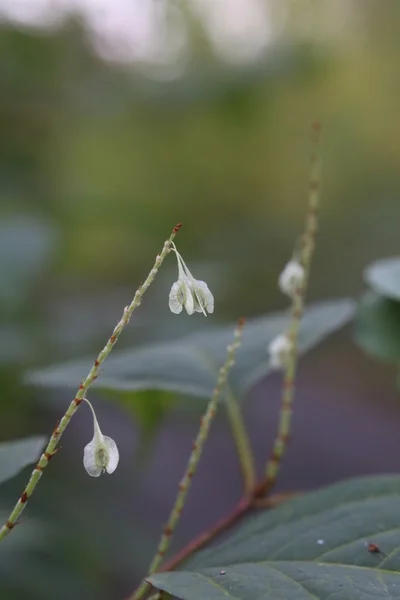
{"points": [[119, 118]]}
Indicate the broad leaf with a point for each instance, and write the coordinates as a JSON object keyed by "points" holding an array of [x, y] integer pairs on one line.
{"points": [[17, 454], [189, 365], [384, 277], [378, 327], [312, 547]]}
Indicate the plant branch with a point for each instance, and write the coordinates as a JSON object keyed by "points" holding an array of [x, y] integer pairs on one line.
{"points": [[51, 448], [308, 244], [242, 442], [204, 538], [184, 486], [240, 510]]}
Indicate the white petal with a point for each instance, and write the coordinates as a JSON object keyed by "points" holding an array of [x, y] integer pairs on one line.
{"points": [[189, 300], [176, 298], [113, 454], [204, 297], [89, 459]]}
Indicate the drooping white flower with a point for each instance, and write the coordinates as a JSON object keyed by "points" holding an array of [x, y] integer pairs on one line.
{"points": [[189, 292], [292, 277], [101, 454], [279, 351]]}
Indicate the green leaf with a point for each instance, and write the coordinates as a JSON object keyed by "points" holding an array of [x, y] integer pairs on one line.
{"points": [[377, 327], [384, 277], [17, 454], [189, 365], [312, 547]]}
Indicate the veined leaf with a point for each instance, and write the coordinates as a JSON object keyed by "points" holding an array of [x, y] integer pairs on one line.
{"points": [[312, 547], [189, 365]]}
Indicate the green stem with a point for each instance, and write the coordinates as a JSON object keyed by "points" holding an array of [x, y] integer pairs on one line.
{"points": [[285, 417], [242, 442], [51, 448], [240, 435], [197, 449]]}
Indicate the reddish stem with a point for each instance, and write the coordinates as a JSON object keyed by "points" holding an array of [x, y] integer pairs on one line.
{"points": [[201, 540]]}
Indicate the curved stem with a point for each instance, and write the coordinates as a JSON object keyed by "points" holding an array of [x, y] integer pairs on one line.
{"points": [[204, 538], [239, 511], [97, 431], [51, 448], [242, 442]]}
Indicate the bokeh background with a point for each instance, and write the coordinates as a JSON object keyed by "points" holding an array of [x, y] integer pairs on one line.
{"points": [[119, 118]]}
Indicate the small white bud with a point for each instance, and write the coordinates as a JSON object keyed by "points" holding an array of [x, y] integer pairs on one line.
{"points": [[101, 454], [189, 292], [279, 351], [291, 278]]}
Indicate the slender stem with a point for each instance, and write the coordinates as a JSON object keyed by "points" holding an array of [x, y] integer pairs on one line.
{"points": [[240, 436], [51, 448], [97, 432], [308, 243], [184, 486], [242, 442]]}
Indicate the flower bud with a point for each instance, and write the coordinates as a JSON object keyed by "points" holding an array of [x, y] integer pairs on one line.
{"points": [[101, 454], [291, 279], [279, 351]]}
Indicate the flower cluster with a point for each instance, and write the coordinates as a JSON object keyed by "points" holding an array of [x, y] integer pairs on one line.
{"points": [[189, 292]]}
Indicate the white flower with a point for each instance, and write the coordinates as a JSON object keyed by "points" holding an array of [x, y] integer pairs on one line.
{"points": [[189, 292], [291, 279], [101, 454], [279, 351]]}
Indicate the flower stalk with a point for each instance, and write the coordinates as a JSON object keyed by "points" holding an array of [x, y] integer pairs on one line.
{"points": [[298, 301], [197, 449], [51, 448]]}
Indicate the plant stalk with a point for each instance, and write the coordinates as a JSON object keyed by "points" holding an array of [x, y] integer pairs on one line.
{"points": [[51, 448]]}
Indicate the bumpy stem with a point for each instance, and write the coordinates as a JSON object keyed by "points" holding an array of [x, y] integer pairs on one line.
{"points": [[197, 449], [308, 243], [51, 448]]}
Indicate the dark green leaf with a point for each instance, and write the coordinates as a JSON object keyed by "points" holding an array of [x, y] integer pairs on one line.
{"points": [[312, 547], [384, 277], [17, 454], [378, 327], [189, 365]]}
